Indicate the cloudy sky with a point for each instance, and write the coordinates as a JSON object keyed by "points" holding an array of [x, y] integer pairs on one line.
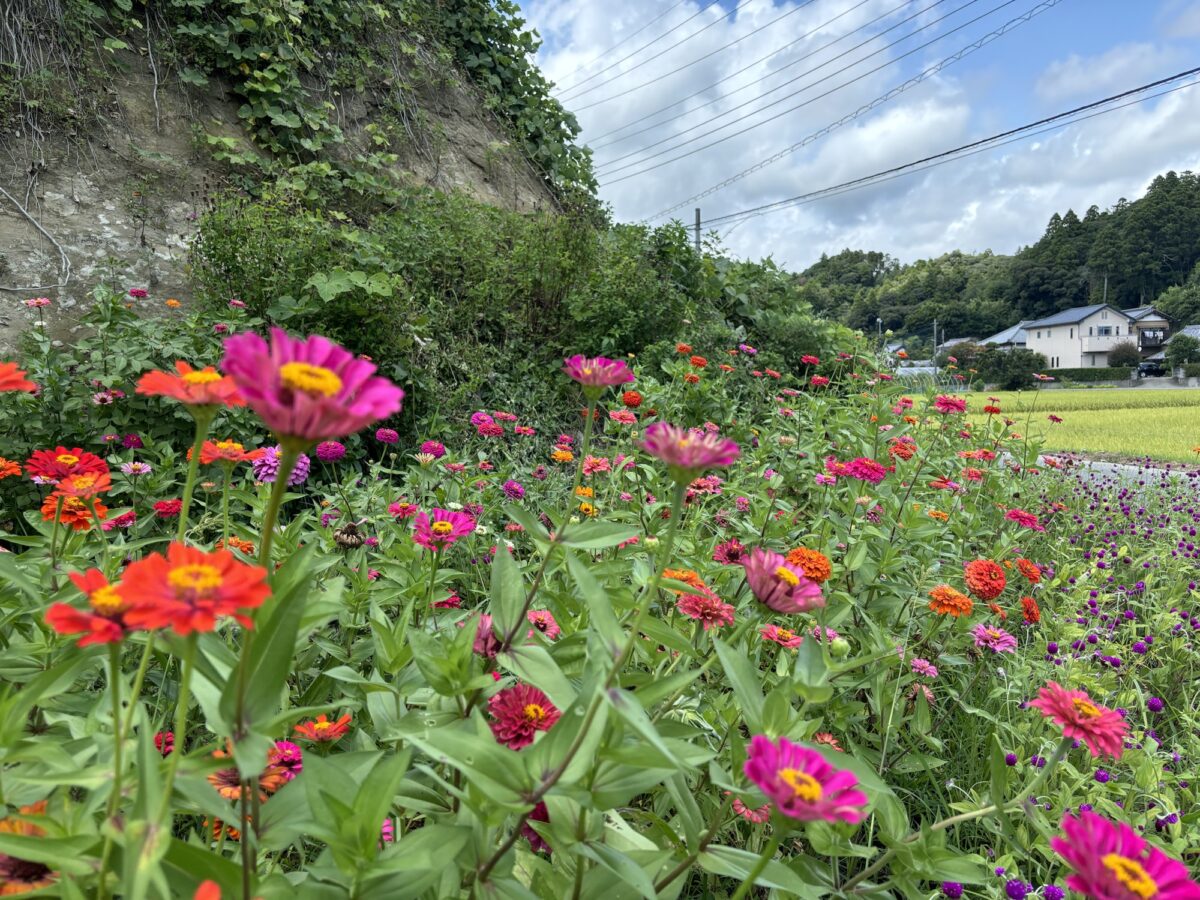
{"points": [[748, 79]]}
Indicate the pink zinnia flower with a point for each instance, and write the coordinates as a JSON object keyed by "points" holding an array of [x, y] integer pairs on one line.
{"points": [[802, 784], [995, 639], [623, 416], [436, 449], [818, 381], [486, 643], [784, 637], [947, 404], [596, 373], [924, 667], [780, 585], [1025, 519], [810, 360], [596, 464], [288, 757], [1111, 861], [402, 509], [520, 712], [440, 528], [1102, 729], [867, 470], [707, 608], [757, 816], [688, 453], [543, 621], [489, 429], [524, 430], [310, 390], [481, 418]]}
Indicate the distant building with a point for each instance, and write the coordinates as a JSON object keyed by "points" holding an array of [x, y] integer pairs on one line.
{"points": [[954, 342], [895, 347], [1082, 337], [1012, 338], [1192, 331]]}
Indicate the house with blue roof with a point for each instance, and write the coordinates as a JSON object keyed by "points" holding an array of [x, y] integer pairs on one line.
{"points": [[1082, 337]]}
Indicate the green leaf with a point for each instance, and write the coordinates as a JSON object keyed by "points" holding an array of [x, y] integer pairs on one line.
{"points": [[532, 663], [735, 863], [65, 854], [744, 679], [597, 535], [600, 610], [508, 592], [630, 873], [811, 673]]}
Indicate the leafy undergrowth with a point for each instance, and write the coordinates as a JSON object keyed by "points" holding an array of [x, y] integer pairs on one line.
{"points": [[821, 640]]}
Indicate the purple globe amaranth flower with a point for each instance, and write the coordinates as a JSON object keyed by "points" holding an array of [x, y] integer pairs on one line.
{"points": [[595, 373], [688, 453], [436, 449], [952, 889], [387, 436], [330, 451], [1155, 704], [780, 585], [266, 467]]}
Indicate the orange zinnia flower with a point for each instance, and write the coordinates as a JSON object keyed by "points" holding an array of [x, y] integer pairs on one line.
{"points": [[8, 468], [74, 512], [188, 590], [1030, 570], [228, 782], [687, 576], [103, 622], [322, 729], [946, 601], [691, 378], [698, 362], [13, 379], [226, 451], [21, 876], [1031, 611], [683, 348], [84, 485], [985, 579], [193, 387], [237, 543], [814, 564]]}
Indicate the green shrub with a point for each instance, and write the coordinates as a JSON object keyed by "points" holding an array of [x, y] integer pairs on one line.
{"points": [[1109, 373]]}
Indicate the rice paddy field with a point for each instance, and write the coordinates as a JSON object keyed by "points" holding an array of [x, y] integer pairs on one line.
{"points": [[1114, 422]]}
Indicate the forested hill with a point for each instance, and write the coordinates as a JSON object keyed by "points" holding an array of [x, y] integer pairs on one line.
{"points": [[1146, 249]]}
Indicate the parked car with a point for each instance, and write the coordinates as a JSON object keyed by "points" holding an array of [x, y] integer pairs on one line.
{"points": [[1150, 369]]}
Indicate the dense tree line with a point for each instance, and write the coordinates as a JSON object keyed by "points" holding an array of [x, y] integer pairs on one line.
{"points": [[1139, 252]]}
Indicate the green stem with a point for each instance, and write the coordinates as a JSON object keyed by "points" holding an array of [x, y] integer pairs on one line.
{"points": [[181, 711], [54, 529], [765, 857], [225, 506], [287, 461], [136, 691], [99, 530], [114, 796], [203, 421]]}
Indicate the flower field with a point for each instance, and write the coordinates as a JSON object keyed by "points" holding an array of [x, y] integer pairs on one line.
{"points": [[732, 632]]}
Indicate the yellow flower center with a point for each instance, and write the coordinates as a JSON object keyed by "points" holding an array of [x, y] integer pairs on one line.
{"points": [[534, 712], [802, 784], [67, 459], [195, 579], [784, 634], [83, 482], [1086, 708], [322, 727], [309, 379], [106, 600], [204, 376], [783, 573], [587, 371], [230, 447], [442, 528], [1131, 874]]}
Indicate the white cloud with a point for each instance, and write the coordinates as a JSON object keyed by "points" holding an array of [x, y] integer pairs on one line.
{"points": [[1114, 70], [999, 200], [1181, 19]]}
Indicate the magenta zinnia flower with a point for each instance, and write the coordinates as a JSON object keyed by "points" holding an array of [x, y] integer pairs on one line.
{"points": [[596, 373], [780, 585], [436, 449], [947, 404], [330, 451], [308, 390], [1102, 729], [520, 712], [867, 470], [782, 636], [688, 453], [995, 639], [802, 784], [1111, 861], [543, 621], [440, 528], [729, 553], [288, 757], [1025, 519]]}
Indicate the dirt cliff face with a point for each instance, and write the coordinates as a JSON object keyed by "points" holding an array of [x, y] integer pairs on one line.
{"points": [[115, 195]]}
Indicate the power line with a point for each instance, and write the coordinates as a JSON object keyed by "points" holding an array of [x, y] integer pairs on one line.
{"points": [[711, 53], [634, 53], [866, 108], [598, 146], [891, 62], [625, 40], [1002, 139], [637, 66]]}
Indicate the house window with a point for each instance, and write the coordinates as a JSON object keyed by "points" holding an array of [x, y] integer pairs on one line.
{"points": [[1090, 330], [1118, 330], [1105, 330], [1104, 313], [1039, 335], [1071, 334], [1047, 332]]}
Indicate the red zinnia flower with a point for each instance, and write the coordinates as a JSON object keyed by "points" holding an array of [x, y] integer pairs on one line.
{"points": [[1102, 729], [188, 590], [1025, 519], [13, 379], [1030, 610], [1030, 570], [520, 712], [707, 608], [322, 729], [191, 387], [632, 399], [168, 509], [55, 465], [985, 579], [698, 362]]}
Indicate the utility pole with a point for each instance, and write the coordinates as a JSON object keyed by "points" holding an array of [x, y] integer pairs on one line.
{"points": [[697, 229], [935, 344]]}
